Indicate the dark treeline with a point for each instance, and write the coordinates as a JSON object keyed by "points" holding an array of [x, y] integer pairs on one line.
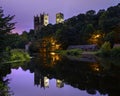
{"points": [[90, 77], [87, 28], [5, 27], [9, 40], [81, 29]]}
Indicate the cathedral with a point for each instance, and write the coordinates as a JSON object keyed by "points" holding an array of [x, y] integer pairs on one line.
{"points": [[40, 21], [59, 18], [43, 20]]}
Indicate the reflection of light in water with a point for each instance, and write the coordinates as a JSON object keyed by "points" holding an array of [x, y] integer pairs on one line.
{"points": [[95, 67], [53, 43], [55, 57], [46, 82], [52, 53], [49, 59], [57, 46], [59, 83]]}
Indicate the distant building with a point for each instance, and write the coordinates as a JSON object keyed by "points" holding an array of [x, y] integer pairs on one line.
{"points": [[27, 46], [40, 21], [59, 18], [92, 47], [116, 45]]}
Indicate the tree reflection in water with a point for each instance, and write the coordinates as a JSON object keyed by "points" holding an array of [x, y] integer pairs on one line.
{"points": [[89, 76], [4, 89]]}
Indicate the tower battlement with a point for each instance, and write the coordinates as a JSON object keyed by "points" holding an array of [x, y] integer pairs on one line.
{"points": [[40, 21], [59, 18], [43, 20]]}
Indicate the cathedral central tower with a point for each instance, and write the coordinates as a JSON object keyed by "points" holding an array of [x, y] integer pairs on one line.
{"points": [[40, 21], [59, 18]]}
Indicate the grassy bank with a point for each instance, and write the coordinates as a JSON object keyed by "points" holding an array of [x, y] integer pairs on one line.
{"points": [[71, 52], [107, 52], [15, 55]]}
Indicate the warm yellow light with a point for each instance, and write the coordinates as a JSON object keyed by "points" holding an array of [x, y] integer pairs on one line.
{"points": [[57, 46], [95, 67], [57, 57], [58, 81], [53, 43], [52, 53], [97, 36]]}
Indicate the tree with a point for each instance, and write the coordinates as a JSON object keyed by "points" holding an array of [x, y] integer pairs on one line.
{"points": [[67, 36], [105, 49], [23, 40], [88, 32], [14, 40], [90, 12], [88, 28], [31, 35], [5, 29], [97, 38], [110, 37]]}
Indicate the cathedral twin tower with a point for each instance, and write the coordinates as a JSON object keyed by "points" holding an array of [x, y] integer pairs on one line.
{"points": [[43, 20]]}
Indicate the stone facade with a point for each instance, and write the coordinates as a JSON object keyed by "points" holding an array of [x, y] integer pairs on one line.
{"points": [[59, 18], [40, 21], [92, 47]]}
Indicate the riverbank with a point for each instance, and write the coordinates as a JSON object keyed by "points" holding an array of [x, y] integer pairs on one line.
{"points": [[91, 56], [79, 55], [76, 52], [15, 55], [71, 52]]}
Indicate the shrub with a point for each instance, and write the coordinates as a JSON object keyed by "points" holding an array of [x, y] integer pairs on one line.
{"points": [[115, 52], [74, 52], [18, 54], [105, 49], [106, 46]]}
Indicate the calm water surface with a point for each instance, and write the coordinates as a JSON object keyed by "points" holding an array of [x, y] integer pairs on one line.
{"points": [[52, 75], [22, 83]]}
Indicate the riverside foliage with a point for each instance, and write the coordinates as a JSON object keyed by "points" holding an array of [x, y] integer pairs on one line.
{"points": [[81, 29], [77, 30], [72, 52], [107, 51], [19, 55]]}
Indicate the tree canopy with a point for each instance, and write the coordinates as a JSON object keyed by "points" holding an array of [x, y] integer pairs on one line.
{"points": [[80, 29], [5, 29]]}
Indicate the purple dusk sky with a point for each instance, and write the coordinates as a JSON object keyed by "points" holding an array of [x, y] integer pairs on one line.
{"points": [[24, 10]]}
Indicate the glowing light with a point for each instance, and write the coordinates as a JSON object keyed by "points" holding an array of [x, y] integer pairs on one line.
{"points": [[52, 53], [95, 67], [59, 83], [97, 36], [53, 43], [46, 82], [57, 46]]}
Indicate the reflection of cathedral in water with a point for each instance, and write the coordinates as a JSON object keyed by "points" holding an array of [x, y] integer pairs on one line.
{"points": [[59, 83], [43, 81], [40, 80]]}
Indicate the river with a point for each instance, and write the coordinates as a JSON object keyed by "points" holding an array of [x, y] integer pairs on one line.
{"points": [[53, 75]]}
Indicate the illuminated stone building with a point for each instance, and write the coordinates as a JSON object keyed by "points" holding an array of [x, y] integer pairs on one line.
{"points": [[59, 18], [40, 21]]}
